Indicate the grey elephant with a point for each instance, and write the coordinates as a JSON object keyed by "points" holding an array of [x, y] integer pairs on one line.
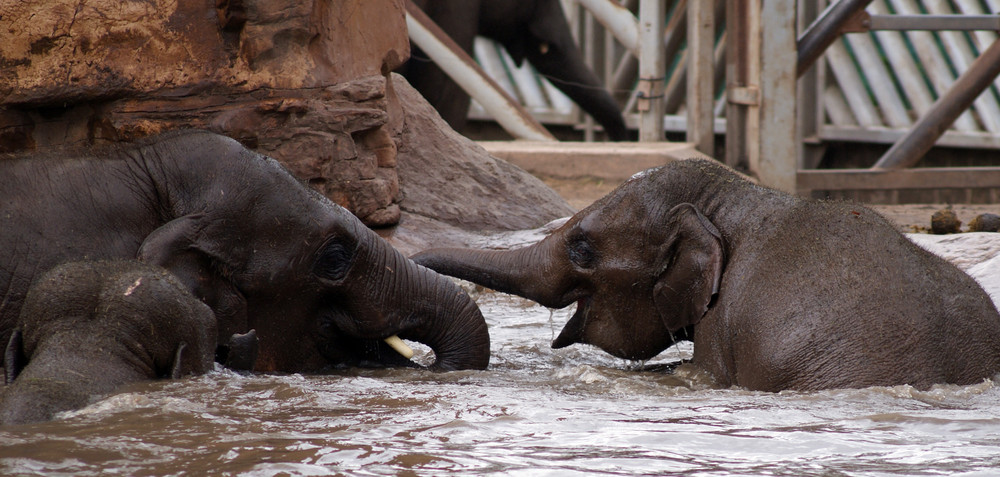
{"points": [[535, 30], [88, 328], [776, 292], [260, 248]]}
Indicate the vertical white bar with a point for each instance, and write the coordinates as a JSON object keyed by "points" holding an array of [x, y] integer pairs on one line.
{"points": [[651, 69]]}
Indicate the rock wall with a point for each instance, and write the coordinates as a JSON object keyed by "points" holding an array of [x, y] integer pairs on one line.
{"points": [[305, 81]]}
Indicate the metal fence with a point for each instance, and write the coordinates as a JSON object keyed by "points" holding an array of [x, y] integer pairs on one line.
{"points": [[871, 85]]}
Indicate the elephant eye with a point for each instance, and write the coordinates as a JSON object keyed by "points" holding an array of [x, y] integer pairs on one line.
{"points": [[333, 261], [582, 253]]}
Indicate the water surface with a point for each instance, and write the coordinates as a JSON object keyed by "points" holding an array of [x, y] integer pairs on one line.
{"points": [[536, 411]]}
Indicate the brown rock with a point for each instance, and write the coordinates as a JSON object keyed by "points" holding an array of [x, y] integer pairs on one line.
{"points": [[985, 223], [302, 81], [945, 221], [64, 51], [305, 82]]}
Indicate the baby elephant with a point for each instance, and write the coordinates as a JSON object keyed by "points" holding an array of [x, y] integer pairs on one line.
{"points": [[88, 328], [776, 292]]}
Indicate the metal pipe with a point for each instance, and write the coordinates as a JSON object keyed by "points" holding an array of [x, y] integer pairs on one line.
{"points": [[651, 70], [934, 22], [470, 77], [824, 30], [701, 76], [921, 137], [618, 20]]}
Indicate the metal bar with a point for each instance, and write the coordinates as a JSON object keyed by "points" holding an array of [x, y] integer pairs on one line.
{"points": [[934, 22], [908, 150], [852, 85], [919, 178], [872, 66], [618, 20], [651, 70], [464, 70], [701, 75], [951, 138], [907, 71], [980, 38], [935, 65], [961, 55], [822, 32], [775, 162], [738, 66]]}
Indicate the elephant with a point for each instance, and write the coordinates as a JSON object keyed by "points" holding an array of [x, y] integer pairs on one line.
{"points": [[88, 328], [263, 250], [776, 291], [534, 30]]}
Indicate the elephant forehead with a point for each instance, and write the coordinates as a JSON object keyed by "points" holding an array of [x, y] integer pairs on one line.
{"points": [[622, 229]]}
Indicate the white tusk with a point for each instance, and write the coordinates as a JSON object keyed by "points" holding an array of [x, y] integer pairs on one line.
{"points": [[397, 344]]}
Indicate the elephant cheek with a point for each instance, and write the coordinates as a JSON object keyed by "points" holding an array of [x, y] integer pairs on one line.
{"points": [[627, 334]]}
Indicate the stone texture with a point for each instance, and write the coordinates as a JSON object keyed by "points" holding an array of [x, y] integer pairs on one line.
{"points": [[302, 81], [66, 51], [305, 81]]}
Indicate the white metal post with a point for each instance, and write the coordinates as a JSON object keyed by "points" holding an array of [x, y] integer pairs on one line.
{"points": [[701, 75], [651, 70], [776, 162], [464, 70]]}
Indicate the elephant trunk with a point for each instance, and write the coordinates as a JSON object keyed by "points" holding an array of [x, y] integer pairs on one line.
{"points": [[456, 330], [567, 70], [531, 272], [431, 309]]}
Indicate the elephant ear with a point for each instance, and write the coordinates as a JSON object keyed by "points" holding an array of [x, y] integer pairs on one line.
{"points": [[180, 246], [690, 266]]}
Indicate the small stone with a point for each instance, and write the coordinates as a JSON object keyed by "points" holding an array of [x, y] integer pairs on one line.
{"points": [[985, 223], [945, 221]]}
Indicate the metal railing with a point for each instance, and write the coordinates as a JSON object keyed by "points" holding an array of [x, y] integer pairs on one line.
{"points": [[890, 71]]}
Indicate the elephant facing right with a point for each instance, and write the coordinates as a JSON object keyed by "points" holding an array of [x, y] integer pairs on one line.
{"points": [[778, 292]]}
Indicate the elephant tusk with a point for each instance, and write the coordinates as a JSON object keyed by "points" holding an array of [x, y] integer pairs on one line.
{"points": [[397, 344]]}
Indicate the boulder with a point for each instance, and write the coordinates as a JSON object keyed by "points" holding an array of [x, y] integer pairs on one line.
{"points": [[306, 82], [302, 81]]}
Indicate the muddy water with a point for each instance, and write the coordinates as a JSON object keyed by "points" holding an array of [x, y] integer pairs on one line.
{"points": [[537, 411]]}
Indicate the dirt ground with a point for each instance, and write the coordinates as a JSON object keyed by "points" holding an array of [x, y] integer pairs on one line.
{"points": [[910, 217]]}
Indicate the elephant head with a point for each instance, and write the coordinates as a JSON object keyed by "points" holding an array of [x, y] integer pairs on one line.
{"points": [[640, 273], [268, 253]]}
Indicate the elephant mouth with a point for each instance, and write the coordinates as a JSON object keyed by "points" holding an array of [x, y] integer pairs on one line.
{"points": [[342, 343], [572, 332], [386, 349]]}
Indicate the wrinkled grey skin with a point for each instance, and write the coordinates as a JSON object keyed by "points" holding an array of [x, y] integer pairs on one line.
{"points": [[260, 248], [535, 30], [88, 328], [781, 292]]}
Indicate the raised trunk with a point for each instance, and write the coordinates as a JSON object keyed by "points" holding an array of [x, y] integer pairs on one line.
{"points": [[555, 54], [581, 85]]}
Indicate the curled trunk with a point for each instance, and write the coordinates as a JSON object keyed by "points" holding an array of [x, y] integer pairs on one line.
{"points": [[429, 308]]}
